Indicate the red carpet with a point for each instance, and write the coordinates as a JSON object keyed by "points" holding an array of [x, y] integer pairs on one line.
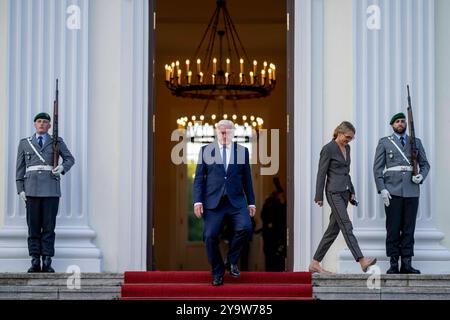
{"points": [[185, 285]]}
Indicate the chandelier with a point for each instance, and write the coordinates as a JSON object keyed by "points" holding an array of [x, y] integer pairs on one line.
{"points": [[201, 128], [220, 69]]}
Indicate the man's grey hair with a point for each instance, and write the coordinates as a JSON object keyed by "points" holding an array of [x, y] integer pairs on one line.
{"points": [[225, 123]]}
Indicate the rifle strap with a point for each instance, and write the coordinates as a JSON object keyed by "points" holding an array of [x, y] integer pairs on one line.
{"points": [[35, 151], [398, 148]]}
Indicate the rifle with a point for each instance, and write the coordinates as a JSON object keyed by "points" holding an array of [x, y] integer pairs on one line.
{"points": [[55, 128], [412, 136]]}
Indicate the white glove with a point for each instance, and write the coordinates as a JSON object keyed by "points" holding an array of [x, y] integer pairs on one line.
{"points": [[23, 196], [58, 170], [417, 179], [385, 195]]}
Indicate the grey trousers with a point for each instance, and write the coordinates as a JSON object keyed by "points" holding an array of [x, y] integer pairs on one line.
{"points": [[339, 221]]}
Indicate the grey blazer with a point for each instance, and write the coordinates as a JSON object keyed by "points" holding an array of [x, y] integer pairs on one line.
{"points": [[396, 182], [40, 183], [335, 169]]}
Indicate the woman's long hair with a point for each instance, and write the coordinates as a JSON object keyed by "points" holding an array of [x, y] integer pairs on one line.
{"points": [[344, 127]]}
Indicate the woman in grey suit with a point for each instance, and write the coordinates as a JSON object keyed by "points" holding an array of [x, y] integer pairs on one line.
{"points": [[334, 167]]}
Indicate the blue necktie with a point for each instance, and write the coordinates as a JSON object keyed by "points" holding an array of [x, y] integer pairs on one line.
{"points": [[40, 141], [402, 140], [224, 157]]}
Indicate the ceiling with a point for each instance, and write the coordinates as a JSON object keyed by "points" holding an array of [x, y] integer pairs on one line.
{"points": [[180, 25]]}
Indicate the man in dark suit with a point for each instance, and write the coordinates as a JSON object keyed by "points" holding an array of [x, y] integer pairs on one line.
{"points": [[223, 189]]}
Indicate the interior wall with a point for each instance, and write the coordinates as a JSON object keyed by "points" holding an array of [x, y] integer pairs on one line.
{"points": [[442, 137], [257, 36], [338, 91], [3, 100]]}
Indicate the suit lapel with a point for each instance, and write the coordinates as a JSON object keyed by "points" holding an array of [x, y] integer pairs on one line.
{"points": [[338, 151], [48, 141], [34, 142], [232, 162], [399, 144]]}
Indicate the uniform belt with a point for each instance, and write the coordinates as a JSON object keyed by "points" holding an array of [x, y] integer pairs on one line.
{"points": [[400, 168], [39, 168]]}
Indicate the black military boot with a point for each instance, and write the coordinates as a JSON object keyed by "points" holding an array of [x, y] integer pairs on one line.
{"points": [[407, 267], [47, 264], [35, 264], [394, 266]]}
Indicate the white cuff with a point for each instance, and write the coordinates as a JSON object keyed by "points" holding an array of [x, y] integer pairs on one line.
{"points": [[197, 203], [252, 205]]}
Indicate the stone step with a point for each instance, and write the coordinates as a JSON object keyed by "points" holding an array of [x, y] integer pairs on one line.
{"points": [[386, 287], [400, 280], [57, 286], [60, 279], [58, 293]]}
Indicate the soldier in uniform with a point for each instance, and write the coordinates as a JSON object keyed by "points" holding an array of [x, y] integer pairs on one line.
{"points": [[400, 191], [38, 185]]}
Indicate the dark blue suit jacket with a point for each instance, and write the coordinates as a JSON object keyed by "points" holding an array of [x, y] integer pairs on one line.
{"points": [[211, 178]]}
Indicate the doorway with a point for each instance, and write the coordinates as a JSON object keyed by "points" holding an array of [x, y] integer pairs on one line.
{"points": [[176, 234]]}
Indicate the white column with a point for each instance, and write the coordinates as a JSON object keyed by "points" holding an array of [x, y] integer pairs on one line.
{"points": [[401, 52], [134, 115], [307, 25], [41, 48]]}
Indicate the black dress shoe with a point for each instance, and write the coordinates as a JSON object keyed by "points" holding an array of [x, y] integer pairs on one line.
{"points": [[394, 266], [217, 281], [47, 264], [35, 264], [406, 267], [234, 271]]}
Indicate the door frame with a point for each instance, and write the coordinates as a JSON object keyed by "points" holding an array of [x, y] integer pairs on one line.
{"points": [[290, 155], [151, 265]]}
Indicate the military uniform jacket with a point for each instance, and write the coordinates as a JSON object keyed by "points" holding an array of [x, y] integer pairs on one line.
{"points": [[40, 183], [335, 169], [398, 183]]}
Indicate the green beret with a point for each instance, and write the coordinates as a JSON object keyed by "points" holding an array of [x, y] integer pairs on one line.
{"points": [[42, 115], [397, 116]]}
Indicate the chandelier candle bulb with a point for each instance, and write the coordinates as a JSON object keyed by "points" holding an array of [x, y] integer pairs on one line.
{"points": [[179, 76], [263, 77], [252, 79], [213, 79], [240, 78], [265, 66], [167, 73], [270, 75], [177, 67], [201, 77], [189, 76], [241, 63], [272, 66], [198, 66], [214, 66], [226, 77], [255, 65], [228, 66], [187, 65]]}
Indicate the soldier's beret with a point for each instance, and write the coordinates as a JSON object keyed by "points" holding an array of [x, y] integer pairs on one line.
{"points": [[397, 116], [42, 115]]}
